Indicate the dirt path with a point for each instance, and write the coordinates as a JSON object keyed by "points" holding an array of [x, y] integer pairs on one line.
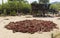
{"points": [[4, 33]]}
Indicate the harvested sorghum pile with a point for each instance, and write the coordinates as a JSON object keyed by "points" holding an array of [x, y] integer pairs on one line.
{"points": [[31, 26]]}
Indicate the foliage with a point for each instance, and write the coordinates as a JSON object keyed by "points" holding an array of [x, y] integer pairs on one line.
{"points": [[13, 13], [18, 6], [44, 1], [0, 7], [5, 12], [14, 6], [55, 6], [35, 2]]}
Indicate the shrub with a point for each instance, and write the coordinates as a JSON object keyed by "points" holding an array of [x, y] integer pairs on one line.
{"points": [[13, 13]]}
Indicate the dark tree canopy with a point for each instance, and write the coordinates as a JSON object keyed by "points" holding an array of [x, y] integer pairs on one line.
{"points": [[43, 1], [40, 6], [44, 8]]}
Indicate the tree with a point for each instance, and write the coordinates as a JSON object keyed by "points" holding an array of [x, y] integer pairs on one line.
{"points": [[17, 6], [0, 9], [55, 5], [35, 2], [2, 2], [43, 1]]}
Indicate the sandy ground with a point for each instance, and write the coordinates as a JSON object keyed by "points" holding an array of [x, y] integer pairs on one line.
{"points": [[4, 33]]}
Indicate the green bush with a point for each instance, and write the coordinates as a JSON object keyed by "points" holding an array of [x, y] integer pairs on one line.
{"points": [[13, 13]]}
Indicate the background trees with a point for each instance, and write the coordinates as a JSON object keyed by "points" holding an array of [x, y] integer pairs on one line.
{"points": [[55, 5], [12, 7], [22, 6], [0, 9], [43, 1]]}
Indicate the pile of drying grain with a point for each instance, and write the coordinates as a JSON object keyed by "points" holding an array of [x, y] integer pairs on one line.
{"points": [[31, 26]]}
